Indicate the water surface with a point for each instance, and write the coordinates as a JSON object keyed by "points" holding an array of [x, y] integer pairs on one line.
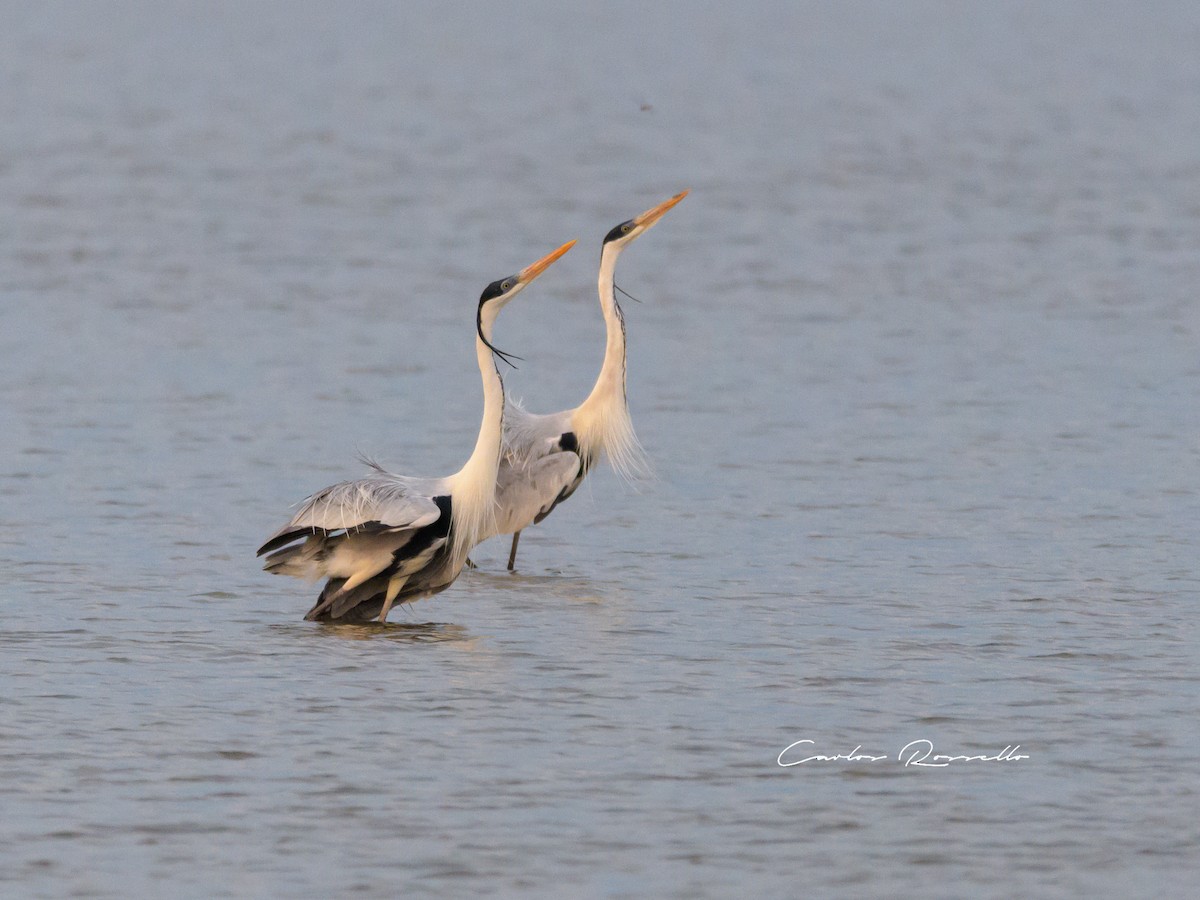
{"points": [[915, 364]]}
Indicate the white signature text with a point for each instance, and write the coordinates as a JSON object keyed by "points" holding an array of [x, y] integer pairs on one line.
{"points": [[917, 753]]}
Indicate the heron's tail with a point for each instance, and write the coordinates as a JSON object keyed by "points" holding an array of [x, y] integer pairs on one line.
{"points": [[301, 561]]}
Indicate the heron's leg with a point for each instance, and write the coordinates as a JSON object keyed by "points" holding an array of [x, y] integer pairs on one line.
{"points": [[512, 554], [393, 589]]}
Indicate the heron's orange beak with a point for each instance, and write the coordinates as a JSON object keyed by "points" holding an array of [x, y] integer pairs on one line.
{"points": [[529, 273], [650, 216]]}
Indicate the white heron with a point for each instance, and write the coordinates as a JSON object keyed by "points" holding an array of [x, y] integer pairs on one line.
{"points": [[547, 456], [392, 537]]}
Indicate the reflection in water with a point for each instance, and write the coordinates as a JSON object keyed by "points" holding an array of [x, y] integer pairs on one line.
{"points": [[550, 587], [400, 632]]}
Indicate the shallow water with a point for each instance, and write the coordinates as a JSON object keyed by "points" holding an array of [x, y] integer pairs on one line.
{"points": [[915, 364]]}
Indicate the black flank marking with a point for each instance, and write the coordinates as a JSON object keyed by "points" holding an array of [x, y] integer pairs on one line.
{"points": [[567, 441], [420, 541]]}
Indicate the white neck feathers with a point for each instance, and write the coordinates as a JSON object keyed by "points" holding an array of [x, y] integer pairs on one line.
{"points": [[601, 423], [473, 487]]}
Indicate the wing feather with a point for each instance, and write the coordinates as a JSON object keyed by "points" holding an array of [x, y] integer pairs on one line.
{"points": [[363, 504], [530, 436], [525, 494]]}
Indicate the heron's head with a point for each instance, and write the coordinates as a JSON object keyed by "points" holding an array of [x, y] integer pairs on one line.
{"points": [[500, 291], [639, 225]]}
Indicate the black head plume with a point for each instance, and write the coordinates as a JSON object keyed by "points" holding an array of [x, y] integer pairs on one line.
{"points": [[626, 293], [496, 289]]}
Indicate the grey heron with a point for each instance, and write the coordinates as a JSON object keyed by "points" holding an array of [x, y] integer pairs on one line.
{"points": [[547, 456], [394, 537]]}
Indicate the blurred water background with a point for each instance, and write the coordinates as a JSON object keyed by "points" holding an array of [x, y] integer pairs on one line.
{"points": [[916, 365]]}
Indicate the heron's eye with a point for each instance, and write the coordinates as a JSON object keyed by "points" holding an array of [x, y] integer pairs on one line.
{"points": [[507, 286], [625, 228]]}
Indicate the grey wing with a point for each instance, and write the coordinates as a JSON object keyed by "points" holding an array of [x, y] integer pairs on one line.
{"points": [[525, 493], [376, 504], [529, 436]]}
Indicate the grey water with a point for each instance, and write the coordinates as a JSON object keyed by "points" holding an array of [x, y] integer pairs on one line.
{"points": [[915, 364]]}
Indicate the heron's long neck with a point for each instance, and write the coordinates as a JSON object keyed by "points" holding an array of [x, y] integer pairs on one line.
{"points": [[473, 502], [611, 383], [601, 422]]}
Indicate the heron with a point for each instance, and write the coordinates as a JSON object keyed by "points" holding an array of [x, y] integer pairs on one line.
{"points": [[391, 537], [546, 456]]}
